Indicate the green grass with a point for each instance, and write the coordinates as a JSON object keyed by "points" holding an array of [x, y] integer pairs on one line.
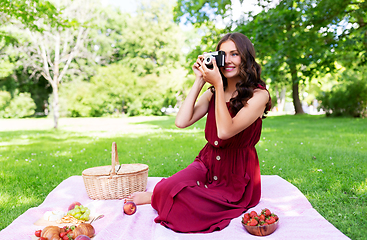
{"points": [[325, 158]]}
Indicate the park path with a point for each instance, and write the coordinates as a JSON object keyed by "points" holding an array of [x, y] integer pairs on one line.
{"points": [[111, 125]]}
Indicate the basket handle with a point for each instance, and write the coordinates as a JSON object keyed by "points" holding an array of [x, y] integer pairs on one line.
{"points": [[115, 158]]}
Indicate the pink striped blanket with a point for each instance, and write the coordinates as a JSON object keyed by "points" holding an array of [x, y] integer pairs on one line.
{"points": [[297, 218]]}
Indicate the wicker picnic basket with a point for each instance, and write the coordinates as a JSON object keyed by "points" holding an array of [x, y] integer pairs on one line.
{"points": [[115, 181]]}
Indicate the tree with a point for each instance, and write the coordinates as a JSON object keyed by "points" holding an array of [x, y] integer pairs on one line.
{"points": [[51, 53], [27, 13], [290, 45], [152, 41]]}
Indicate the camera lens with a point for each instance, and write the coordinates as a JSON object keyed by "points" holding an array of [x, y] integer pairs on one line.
{"points": [[208, 60]]}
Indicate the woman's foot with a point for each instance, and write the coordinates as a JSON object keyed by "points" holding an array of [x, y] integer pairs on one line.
{"points": [[140, 198]]}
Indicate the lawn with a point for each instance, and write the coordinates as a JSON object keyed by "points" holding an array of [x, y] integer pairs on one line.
{"points": [[326, 158]]}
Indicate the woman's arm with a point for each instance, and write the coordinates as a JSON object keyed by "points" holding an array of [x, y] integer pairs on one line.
{"points": [[190, 112], [227, 126]]}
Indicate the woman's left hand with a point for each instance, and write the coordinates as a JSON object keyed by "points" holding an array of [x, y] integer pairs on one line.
{"points": [[211, 76]]}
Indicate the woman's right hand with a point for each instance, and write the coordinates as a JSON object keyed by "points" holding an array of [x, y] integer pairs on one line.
{"points": [[197, 65]]}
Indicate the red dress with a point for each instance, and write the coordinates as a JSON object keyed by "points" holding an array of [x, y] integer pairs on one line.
{"points": [[221, 183]]}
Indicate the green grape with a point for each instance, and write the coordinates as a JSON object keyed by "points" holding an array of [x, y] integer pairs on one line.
{"points": [[84, 217], [80, 212]]}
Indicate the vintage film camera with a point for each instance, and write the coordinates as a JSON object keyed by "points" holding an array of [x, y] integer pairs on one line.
{"points": [[219, 58]]}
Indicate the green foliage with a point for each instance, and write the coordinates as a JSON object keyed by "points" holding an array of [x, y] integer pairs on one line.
{"points": [[154, 92], [22, 105], [31, 11], [349, 22], [154, 41], [5, 98], [75, 99], [112, 88], [348, 98], [116, 89], [108, 35], [198, 12], [6, 68]]}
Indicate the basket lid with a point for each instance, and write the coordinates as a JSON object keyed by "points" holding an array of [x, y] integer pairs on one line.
{"points": [[125, 169]]}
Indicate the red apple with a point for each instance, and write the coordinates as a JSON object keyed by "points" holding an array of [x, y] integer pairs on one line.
{"points": [[72, 206], [82, 237], [130, 208]]}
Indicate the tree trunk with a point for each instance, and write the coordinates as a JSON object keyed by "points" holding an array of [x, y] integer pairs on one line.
{"points": [[295, 91], [55, 104]]}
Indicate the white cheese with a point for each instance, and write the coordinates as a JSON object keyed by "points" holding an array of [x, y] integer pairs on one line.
{"points": [[53, 216]]}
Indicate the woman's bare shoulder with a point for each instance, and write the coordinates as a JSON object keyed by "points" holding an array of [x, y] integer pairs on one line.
{"points": [[208, 94], [260, 96]]}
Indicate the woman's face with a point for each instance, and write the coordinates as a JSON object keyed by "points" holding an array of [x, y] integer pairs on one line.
{"points": [[232, 64]]}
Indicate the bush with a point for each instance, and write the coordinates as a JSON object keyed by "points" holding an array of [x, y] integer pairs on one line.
{"points": [[22, 105], [346, 99], [115, 89], [75, 99], [149, 100], [5, 98]]}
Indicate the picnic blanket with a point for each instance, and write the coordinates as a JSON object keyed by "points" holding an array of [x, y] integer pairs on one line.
{"points": [[297, 218]]}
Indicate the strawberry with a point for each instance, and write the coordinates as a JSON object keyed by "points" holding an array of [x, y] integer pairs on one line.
{"points": [[38, 233], [266, 212], [246, 218], [262, 217], [276, 217], [253, 222], [270, 220], [253, 214]]}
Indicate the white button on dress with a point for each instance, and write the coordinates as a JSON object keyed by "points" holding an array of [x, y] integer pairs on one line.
{"points": [[198, 183], [215, 178], [215, 143], [218, 158]]}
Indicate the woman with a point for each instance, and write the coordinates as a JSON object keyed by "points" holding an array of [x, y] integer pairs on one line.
{"points": [[224, 180]]}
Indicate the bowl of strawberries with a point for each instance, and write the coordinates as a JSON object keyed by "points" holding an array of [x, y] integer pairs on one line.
{"points": [[262, 224]]}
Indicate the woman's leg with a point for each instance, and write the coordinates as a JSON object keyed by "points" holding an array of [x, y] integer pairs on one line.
{"points": [[140, 198]]}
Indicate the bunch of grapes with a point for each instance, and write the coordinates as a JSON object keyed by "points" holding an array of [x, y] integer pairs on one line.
{"points": [[80, 212]]}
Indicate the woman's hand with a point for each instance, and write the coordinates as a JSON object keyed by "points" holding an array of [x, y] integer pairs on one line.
{"points": [[197, 65], [211, 76]]}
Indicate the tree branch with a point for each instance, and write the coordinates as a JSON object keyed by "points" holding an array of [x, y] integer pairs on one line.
{"points": [[73, 52]]}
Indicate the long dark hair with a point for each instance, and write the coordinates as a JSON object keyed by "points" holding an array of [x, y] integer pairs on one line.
{"points": [[250, 72]]}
